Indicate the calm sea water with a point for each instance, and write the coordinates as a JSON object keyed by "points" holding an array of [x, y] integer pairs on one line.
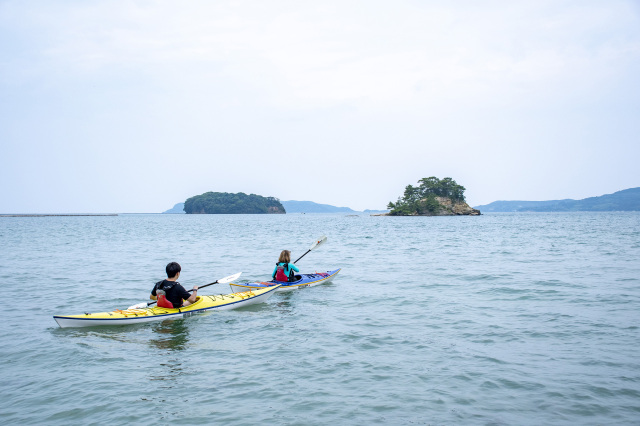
{"points": [[501, 319]]}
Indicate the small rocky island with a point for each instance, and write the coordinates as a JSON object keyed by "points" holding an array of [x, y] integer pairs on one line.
{"points": [[226, 203], [432, 197]]}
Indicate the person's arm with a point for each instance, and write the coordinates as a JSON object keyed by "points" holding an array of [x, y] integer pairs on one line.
{"points": [[275, 269], [294, 267], [184, 294], [153, 293], [194, 295], [152, 297]]}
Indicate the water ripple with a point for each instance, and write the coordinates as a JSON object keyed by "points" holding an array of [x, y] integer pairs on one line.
{"points": [[500, 319]]}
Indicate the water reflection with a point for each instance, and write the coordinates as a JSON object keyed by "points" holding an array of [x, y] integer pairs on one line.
{"points": [[172, 335], [284, 305]]}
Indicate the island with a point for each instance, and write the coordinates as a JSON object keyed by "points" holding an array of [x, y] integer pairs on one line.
{"points": [[226, 203], [432, 197], [300, 207]]}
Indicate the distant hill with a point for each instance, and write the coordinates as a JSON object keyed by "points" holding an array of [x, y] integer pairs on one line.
{"points": [[311, 207], [226, 203], [625, 200], [177, 209]]}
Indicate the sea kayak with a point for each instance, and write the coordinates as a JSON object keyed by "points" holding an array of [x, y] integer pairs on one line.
{"points": [[155, 313], [303, 280]]}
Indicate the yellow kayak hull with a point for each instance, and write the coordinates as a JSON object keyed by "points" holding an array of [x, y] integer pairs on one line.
{"points": [[155, 313]]}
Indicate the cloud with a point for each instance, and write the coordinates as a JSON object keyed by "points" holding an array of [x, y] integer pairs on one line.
{"points": [[304, 54], [474, 90]]}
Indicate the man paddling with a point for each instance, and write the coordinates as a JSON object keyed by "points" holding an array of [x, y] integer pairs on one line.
{"points": [[169, 293]]}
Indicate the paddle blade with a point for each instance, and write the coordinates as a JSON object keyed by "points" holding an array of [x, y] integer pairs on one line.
{"points": [[138, 306], [318, 242], [229, 278]]}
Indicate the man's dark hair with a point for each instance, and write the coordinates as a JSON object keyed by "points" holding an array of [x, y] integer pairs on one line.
{"points": [[172, 269]]}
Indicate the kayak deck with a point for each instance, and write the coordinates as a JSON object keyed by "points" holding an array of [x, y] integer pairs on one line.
{"points": [[305, 280], [156, 313]]}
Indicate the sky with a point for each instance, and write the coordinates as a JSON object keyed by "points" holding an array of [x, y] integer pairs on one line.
{"points": [[127, 106]]}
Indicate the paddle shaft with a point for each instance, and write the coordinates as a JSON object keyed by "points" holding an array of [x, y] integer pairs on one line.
{"points": [[302, 256], [206, 285], [313, 246]]}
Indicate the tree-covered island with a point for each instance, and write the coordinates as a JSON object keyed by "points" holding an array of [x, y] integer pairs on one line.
{"points": [[432, 197], [226, 203]]}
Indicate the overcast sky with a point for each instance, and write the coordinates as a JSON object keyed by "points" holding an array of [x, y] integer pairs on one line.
{"points": [[133, 106]]}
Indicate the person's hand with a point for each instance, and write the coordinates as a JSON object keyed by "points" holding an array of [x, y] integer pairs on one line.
{"points": [[195, 288]]}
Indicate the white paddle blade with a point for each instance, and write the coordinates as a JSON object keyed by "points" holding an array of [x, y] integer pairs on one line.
{"points": [[138, 306], [318, 242], [229, 278]]}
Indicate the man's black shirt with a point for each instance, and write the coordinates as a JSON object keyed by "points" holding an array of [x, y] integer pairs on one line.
{"points": [[176, 294]]}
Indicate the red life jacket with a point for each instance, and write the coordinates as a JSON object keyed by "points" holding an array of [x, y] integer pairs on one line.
{"points": [[280, 274], [163, 302], [163, 286]]}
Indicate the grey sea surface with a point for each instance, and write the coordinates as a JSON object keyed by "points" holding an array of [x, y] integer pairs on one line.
{"points": [[502, 319]]}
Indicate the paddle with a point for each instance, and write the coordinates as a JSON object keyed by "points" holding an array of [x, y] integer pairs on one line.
{"points": [[315, 245], [224, 280]]}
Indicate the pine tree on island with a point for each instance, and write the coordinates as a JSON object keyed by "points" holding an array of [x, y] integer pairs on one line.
{"points": [[432, 197]]}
